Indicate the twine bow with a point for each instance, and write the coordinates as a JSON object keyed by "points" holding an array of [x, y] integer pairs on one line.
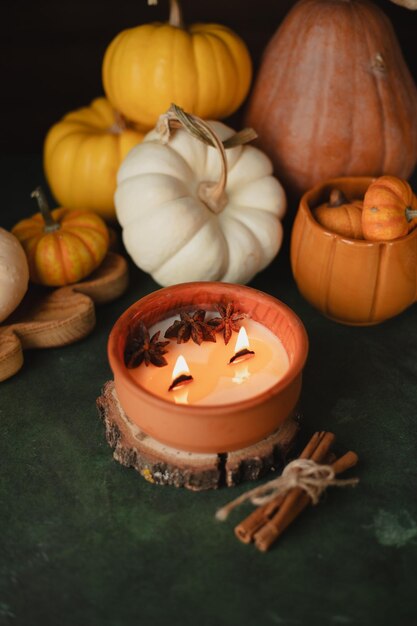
{"points": [[306, 474]]}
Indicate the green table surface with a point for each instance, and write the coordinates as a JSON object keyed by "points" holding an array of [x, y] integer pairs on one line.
{"points": [[85, 541]]}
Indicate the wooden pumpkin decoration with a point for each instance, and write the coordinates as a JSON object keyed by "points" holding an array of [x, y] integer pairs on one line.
{"points": [[62, 246], [341, 216], [189, 211], [82, 154], [206, 69], [334, 96], [14, 273], [389, 209]]}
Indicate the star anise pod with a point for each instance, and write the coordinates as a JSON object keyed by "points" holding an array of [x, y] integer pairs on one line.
{"points": [[227, 322], [140, 348], [191, 326]]}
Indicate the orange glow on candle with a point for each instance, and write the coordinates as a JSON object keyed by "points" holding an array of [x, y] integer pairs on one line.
{"points": [[261, 360]]}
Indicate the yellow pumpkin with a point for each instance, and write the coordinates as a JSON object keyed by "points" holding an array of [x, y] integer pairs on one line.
{"points": [[205, 69], [62, 246], [82, 154]]}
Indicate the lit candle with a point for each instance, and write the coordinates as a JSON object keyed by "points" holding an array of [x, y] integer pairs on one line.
{"points": [[228, 405], [252, 362]]}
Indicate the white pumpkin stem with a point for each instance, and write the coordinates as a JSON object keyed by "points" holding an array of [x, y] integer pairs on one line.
{"points": [[50, 224], [213, 194], [175, 13]]}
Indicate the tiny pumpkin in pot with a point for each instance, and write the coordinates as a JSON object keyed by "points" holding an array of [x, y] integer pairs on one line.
{"points": [[192, 210], [14, 273], [341, 216], [389, 209], [62, 246], [82, 153], [205, 68]]}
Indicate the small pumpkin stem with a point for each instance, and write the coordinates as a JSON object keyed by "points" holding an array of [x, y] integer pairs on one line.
{"points": [[211, 193], [410, 213], [119, 125], [50, 224], [337, 198], [175, 14]]}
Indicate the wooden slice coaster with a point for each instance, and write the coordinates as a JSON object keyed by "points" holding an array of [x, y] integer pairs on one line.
{"points": [[163, 465]]}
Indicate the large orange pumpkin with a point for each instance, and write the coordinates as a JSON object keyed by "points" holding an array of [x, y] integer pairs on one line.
{"points": [[62, 246], [82, 154], [334, 96]]}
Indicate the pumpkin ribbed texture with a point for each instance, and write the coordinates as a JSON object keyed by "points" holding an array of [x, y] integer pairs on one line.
{"points": [[82, 154], [205, 69], [68, 254], [334, 96]]}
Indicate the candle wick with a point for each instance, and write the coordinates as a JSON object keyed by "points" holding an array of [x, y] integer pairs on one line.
{"points": [[241, 355], [180, 381]]}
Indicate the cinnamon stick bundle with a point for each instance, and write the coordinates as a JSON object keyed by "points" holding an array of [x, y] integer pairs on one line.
{"points": [[276, 512], [293, 506], [246, 530]]}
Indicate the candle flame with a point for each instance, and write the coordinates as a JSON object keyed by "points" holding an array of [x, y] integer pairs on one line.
{"points": [[242, 341], [242, 348], [180, 368]]}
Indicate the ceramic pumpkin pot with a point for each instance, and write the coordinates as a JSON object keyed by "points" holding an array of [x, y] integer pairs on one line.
{"points": [[14, 273], [82, 154], [352, 281], [334, 96], [192, 211], [62, 246], [205, 68], [389, 209]]}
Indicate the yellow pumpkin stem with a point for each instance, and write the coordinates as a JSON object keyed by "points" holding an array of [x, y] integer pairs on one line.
{"points": [[50, 224], [175, 13], [211, 193]]}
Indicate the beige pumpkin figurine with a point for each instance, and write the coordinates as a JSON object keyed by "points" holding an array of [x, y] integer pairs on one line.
{"points": [[14, 273]]}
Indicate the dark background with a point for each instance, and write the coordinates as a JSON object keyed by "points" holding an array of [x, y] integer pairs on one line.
{"points": [[52, 51]]}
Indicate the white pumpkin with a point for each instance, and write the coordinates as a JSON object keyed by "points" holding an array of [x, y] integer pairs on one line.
{"points": [[14, 273], [169, 229]]}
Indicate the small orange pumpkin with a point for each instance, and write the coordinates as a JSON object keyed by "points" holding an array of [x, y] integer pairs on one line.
{"points": [[340, 215], [389, 209], [62, 246]]}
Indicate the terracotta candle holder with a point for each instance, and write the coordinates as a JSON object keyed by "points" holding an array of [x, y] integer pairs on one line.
{"points": [[352, 281], [214, 428]]}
